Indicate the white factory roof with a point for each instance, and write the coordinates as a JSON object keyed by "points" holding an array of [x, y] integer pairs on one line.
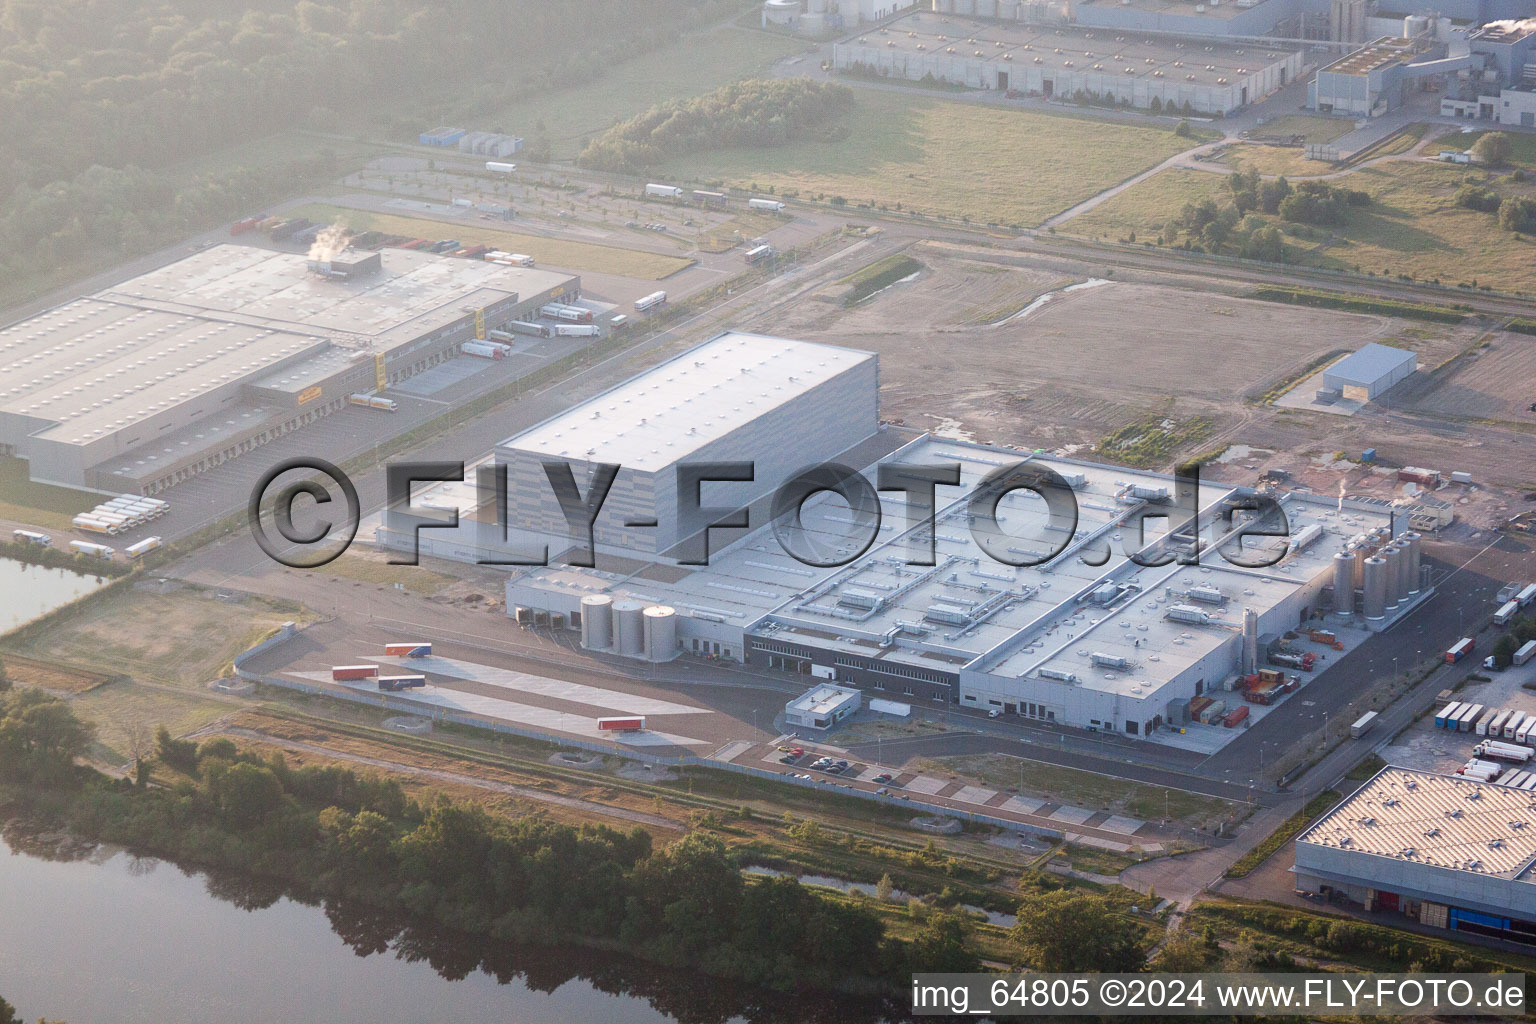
{"points": [[1117, 52], [666, 413], [823, 700], [413, 290], [1033, 616], [1370, 363], [231, 314], [92, 367], [1445, 821]]}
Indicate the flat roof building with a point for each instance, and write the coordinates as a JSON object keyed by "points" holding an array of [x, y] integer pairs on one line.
{"points": [[139, 385], [778, 404], [822, 707], [1062, 61], [1370, 372], [1448, 851]]}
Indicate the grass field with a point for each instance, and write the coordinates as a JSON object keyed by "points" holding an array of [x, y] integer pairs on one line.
{"points": [[126, 715], [1414, 226], [367, 569], [39, 504], [694, 64], [1289, 161], [1086, 789], [560, 252], [936, 156], [1311, 129], [182, 639]]}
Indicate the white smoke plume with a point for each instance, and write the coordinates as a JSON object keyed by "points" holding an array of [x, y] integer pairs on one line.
{"points": [[329, 243], [1523, 25], [1341, 495]]}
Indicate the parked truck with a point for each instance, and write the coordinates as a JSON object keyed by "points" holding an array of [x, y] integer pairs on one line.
{"points": [[1468, 717], [408, 649], [660, 191], [627, 723], [1498, 750], [1362, 725], [1447, 715], [1526, 652], [1507, 611], [41, 540], [1460, 650], [770, 205], [85, 547], [142, 548], [577, 330], [392, 684], [483, 349], [530, 328], [373, 402], [1512, 724], [1293, 659], [343, 673], [650, 301]]}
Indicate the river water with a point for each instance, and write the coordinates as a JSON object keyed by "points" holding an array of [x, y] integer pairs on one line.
{"points": [[27, 591], [116, 939]]}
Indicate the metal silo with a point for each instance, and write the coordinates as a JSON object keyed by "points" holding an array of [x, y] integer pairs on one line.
{"points": [[1344, 584], [1250, 641], [1394, 558], [1415, 560], [660, 633], [597, 622], [629, 627], [1375, 589]]}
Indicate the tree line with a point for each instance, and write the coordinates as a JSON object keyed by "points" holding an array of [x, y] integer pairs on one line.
{"points": [[98, 99], [758, 113]]}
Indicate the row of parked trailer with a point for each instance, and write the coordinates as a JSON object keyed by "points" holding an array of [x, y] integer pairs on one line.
{"points": [[85, 547], [1494, 723], [658, 190], [1516, 600], [123, 513]]}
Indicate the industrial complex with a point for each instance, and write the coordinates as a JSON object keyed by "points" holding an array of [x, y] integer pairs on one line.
{"points": [[1078, 633], [149, 382]]}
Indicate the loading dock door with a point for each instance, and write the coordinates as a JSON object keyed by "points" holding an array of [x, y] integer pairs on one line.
{"points": [[1048, 86], [1002, 81]]}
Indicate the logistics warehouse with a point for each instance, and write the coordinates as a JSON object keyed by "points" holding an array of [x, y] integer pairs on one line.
{"points": [[149, 382], [1086, 637]]}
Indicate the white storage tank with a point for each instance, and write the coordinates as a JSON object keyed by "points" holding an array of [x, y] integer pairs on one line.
{"points": [[1375, 588], [660, 633], [629, 627], [1344, 584], [780, 12], [597, 622], [1393, 555]]}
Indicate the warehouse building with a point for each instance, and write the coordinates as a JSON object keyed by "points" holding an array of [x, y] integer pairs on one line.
{"points": [[1445, 850], [1370, 372], [1147, 71], [154, 380], [736, 397], [1087, 636], [1376, 78]]}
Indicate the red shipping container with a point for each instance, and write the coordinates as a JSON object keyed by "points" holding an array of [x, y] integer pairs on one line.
{"points": [[340, 672], [633, 723], [1236, 716]]}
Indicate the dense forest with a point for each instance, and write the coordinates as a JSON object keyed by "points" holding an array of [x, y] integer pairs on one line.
{"points": [[758, 113], [96, 96]]}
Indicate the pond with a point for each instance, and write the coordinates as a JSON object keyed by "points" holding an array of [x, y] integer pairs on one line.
{"points": [[27, 591], [118, 939]]}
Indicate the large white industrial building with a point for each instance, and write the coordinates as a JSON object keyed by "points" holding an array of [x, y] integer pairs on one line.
{"points": [[1145, 70], [1445, 850], [153, 380], [1089, 637]]}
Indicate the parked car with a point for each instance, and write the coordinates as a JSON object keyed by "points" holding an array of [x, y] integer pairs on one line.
{"points": [[993, 713], [882, 778]]}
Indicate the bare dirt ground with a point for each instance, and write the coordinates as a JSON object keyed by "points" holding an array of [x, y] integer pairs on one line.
{"points": [[962, 348], [1496, 382]]}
